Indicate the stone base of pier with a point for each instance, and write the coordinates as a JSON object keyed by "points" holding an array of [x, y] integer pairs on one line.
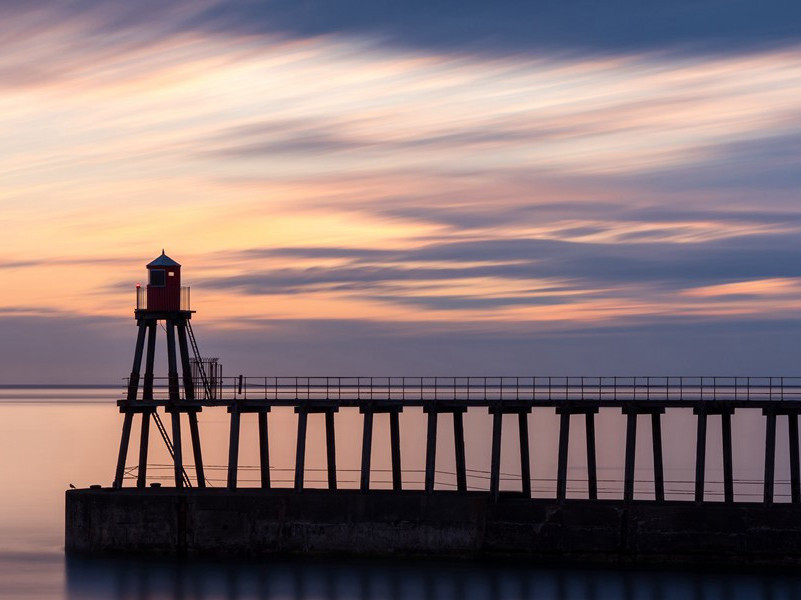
{"points": [[256, 522]]}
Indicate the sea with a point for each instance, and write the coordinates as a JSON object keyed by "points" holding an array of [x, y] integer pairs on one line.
{"points": [[55, 437]]}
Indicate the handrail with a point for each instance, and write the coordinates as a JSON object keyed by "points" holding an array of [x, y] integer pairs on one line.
{"points": [[404, 389]]}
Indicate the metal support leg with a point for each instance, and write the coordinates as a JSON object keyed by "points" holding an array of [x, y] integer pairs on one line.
{"points": [[659, 473], [177, 450], [124, 441], [172, 374], [300, 454], [330, 449], [631, 449], [431, 451], [795, 471], [700, 456], [458, 446], [525, 455], [133, 382], [770, 455], [141, 478], [264, 451], [495, 464], [147, 390], [592, 476], [186, 367], [395, 450], [367, 450], [233, 448], [728, 471], [196, 450], [564, 442]]}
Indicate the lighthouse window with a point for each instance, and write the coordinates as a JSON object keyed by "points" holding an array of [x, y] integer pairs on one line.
{"points": [[157, 278], [171, 274]]}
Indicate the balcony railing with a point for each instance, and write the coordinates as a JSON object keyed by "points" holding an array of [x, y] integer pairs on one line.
{"points": [[160, 296]]}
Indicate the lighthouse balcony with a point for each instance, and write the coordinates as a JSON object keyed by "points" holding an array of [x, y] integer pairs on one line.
{"points": [[163, 299]]}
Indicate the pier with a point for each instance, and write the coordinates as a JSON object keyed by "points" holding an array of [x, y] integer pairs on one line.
{"points": [[193, 516]]}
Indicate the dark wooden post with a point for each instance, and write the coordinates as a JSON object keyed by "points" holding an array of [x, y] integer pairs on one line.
{"points": [[525, 455], [592, 477], [177, 448], [431, 450], [395, 449], [631, 450], [495, 461], [330, 447], [133, 382], [197, 453], [770, 453], [458, 443], [700, 453], [144, 434], [656, 439], [172, 375], [300, 454], [124, 441], [795, 471], [367, 448], [264, 450], [564, 442], [233, 446], [728, 469], [147, 391], [186, 366]]}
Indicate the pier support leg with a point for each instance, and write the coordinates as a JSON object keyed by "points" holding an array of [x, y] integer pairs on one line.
{"points": [[186, 367], [431, 450], [119, 474], [659, 473], [631, 449], [330, 449], [300, 453], [177, 449], [458, 443], [394, 440], [700, 455], [196, 449], [233, 447], [147, 390], [264, 451], [525, 455], [770, 455], [367, 450], [133, 381], [144, 435], [728, 470], [795, 471], [172, 374], [592, 477], [495, 460], [564, 443]]}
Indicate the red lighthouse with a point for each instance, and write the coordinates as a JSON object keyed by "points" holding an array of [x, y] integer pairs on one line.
{"points": [[164, 301]]}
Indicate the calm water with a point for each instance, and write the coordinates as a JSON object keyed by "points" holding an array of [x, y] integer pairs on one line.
{"points": [[51, 438]]}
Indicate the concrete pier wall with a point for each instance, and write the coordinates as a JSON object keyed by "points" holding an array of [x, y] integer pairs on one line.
{"points": [[255, 522]]}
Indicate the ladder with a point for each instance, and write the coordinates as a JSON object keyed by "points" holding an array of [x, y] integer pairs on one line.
{"points": [[201, 369], [170, 448]]}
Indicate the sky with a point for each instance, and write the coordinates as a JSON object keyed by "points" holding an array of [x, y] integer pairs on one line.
{"points": [[401, 188]]}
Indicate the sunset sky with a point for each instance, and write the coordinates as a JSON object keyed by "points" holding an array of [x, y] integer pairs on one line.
{"points": [[408, 187]]}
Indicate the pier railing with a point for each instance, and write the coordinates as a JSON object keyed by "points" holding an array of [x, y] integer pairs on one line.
{"points": [[545, 390]]}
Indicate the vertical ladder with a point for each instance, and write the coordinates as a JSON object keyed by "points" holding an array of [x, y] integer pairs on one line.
{"points": [[196, 352]]}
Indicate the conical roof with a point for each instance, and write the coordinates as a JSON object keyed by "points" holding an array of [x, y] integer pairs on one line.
{"points": [[163, 261]]}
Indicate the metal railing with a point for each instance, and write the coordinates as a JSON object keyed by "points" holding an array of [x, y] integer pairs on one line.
{"points": [[183, 300], [545, 389]]}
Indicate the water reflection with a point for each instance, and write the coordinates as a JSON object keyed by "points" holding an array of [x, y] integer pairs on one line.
{"points": [[331, 580]]}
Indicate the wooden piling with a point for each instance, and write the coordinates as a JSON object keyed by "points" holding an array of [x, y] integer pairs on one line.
{"points": [[458, 443], [330, 448], [592, 476], [431, 450], [728, 468], [196, 449], [525, 455], [124, 441], [656, 441], [147, 389], [795, 472], [700, 453], [495, 463], [264, 450], [300, 453], [233, 447], [367, 449], [395, 449], [177, 448], [172, 374], [770, 454], [144, 434], [631, 449], [564, 444]]}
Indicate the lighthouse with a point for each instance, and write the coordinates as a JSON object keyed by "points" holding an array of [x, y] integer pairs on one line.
{"points": [[164, 304]]}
